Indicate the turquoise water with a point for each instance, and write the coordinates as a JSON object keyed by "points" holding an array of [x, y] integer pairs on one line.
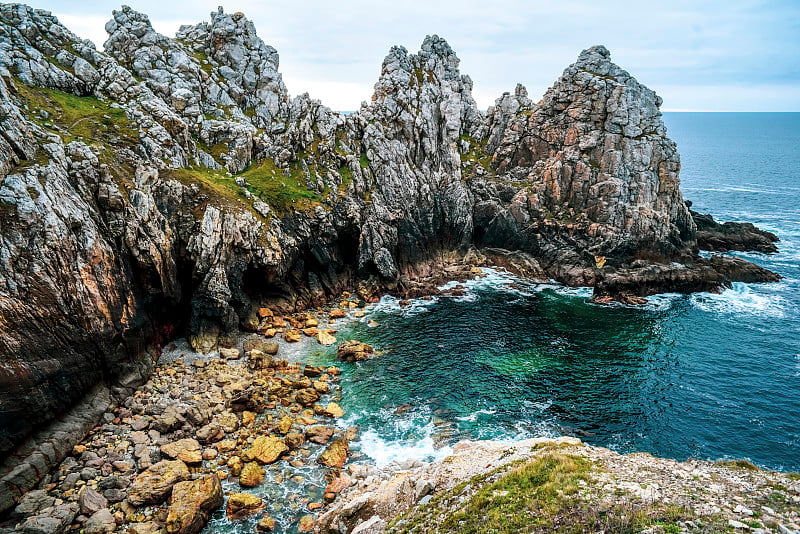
{"points": [[704, 376]]}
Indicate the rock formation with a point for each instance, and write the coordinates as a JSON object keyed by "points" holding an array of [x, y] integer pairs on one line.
{"points": [[171, 185]]}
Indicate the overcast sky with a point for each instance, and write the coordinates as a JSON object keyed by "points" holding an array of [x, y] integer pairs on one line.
{"points": [[726, 55]]}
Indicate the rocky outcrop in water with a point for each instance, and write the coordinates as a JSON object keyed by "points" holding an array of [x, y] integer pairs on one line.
{"points": [[171, 185], [724, 237]]}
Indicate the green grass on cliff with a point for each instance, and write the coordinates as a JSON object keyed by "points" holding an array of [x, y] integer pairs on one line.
{"points": [[554, 492], [73, 117], [283, 191]]}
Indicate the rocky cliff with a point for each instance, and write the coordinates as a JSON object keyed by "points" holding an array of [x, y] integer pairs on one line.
{"points": [[172, 185]]}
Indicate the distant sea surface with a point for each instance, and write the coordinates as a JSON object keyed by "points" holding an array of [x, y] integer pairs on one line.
{"points": [[703, 376]]}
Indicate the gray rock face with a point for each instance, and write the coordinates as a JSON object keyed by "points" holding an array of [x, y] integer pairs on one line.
{"points": [[170, 186]]}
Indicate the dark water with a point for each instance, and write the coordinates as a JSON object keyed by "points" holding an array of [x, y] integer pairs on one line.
{"points": [[704, 376]]}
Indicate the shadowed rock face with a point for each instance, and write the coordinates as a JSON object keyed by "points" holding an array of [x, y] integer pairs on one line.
{"points": [[169, 185]]}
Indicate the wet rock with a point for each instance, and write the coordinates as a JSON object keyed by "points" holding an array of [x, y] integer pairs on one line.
{"points": [[723, 237], [325, 338], [336, 454], [251, 475], [292, 336], [284, 425], [294, 440], [319, 434], [265, 524], [265, 450], [241, 505], [257, 359], [334, 410], [307, 396], [260, 344], [353, 351], [154, 485], [192, 503]]}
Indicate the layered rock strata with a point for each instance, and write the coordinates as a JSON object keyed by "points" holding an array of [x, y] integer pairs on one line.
{"points": [[170, 185]]}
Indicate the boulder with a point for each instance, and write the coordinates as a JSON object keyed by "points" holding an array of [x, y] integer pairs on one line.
{"points": [[265, 524], [230, 354], [334, 410], [307, 396], [284, 425], [90, 501], [251, 475], [101, 522], [265, 450], [292, 336], [241, 505], [154, 484], [260, 344], [319, 434], [53, 520], [192, 503], [354, 351], [294, 440], [325, 338], [187, 450], [336, 454]]}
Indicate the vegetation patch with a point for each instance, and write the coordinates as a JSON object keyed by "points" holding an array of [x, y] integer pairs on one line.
{"points": [[739, 464], [75, 117], [283, 189], [551, 493], [476, 154]]}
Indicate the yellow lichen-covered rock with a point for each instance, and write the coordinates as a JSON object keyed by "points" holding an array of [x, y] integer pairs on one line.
{"points": [[284, 425], [265, 450], [252, 475], [155, 483], [325, 338], [336, 454], [192, 503], [235, 464], [187, 450], [334, 410], [241, 505]]}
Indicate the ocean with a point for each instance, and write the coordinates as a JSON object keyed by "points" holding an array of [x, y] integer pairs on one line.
{"points": [[709, 376]]}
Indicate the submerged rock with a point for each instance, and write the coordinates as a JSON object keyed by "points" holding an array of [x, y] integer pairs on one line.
{"points": [[354, 351], [241, 505]]}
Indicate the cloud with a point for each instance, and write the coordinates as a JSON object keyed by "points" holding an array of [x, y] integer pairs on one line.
{"points": [[337, 47]]}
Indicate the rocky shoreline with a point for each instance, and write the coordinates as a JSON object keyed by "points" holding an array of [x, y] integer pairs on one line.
{"points": [[245, 436], [159, 459], [170, 185]]}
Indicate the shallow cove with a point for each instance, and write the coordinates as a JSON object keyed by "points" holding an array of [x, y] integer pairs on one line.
{"points": [[706, 376]]}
